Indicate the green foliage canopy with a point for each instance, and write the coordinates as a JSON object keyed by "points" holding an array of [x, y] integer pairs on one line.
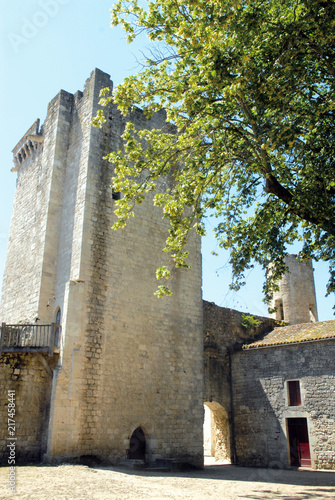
{"points": [[248, 86]]}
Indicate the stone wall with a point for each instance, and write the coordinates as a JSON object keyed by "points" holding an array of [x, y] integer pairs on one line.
{"points": [[261, 403], [138, 359], [28, 290], [223, 331], [22, 276], [26, 375]]}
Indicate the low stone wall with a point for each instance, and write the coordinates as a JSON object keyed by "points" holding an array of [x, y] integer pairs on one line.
{"points": [[261, 402], [26, 375]]}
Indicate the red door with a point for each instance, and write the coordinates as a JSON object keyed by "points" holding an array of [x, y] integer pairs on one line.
{"points": [[298, 441]]}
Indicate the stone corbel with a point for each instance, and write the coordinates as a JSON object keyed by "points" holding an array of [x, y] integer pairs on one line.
{"points": [[45, 364], [35, 138]]}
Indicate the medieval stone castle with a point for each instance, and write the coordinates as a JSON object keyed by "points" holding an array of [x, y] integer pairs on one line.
{"points": [[102, 368]]}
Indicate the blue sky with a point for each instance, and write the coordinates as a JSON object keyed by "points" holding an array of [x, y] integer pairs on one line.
{"points": [[48, 45]]}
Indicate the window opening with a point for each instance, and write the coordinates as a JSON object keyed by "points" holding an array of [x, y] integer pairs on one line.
{"points": [[116, 195], [279, 310], [58, 327], [294, 396]]}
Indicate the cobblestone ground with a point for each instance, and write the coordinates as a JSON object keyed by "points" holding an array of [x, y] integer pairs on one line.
{"points": [[226, 482]]}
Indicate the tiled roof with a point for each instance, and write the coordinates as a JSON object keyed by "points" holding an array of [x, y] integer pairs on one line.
{"points": [[296, 333]]}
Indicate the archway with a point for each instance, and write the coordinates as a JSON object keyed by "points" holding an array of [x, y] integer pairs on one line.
{"points": [[137, 445], [216, 432]]}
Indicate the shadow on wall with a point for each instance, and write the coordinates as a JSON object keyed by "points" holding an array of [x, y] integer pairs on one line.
{"points": [[259, 437]]}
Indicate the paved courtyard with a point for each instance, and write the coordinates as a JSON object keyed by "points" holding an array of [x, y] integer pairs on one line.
{"points": [[226, 482]]}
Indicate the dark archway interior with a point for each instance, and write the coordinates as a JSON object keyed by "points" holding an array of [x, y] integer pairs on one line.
{"points": [[137, 445]]}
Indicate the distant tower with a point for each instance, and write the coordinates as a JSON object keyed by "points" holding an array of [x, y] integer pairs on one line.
{"points": [[295, 300]]}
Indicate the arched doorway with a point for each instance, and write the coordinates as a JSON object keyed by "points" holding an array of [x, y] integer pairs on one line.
{"points": [[216, 433], [137, 445]]}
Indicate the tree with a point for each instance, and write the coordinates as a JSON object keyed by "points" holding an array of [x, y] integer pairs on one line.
{"points": [[248, 87]]}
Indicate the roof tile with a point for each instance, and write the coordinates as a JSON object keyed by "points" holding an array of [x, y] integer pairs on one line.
{"points": [[296, 333]]}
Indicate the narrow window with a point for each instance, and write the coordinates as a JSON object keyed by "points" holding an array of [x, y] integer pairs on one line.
{"points": [[58, 327], [279, 310], [294, 397], [116, 195]]}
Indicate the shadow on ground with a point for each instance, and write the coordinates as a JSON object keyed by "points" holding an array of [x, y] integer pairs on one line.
{"points": [[230, 472]]}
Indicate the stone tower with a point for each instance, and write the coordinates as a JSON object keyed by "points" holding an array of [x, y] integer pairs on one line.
{"points": [[130, 366], [295, 300]]}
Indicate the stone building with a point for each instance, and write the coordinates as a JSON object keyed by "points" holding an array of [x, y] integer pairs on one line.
{"points": [[100, 367], [270, 390], [284, 398], [123, 375]]}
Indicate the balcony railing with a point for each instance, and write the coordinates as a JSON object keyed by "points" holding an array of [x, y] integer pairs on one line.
{"points": [[30, 338]]}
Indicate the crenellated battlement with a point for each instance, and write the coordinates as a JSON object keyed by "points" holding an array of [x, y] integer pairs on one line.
{"points": [[30, 142]]}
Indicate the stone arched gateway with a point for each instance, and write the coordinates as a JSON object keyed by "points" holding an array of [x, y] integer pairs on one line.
{"points": [[217, 432]]}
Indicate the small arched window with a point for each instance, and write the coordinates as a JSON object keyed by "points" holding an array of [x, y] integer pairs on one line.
{"points": [[58, 327], [279, 310]]}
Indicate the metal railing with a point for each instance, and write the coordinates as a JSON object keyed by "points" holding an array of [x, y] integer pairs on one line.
{"points": [[29, 338]]}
